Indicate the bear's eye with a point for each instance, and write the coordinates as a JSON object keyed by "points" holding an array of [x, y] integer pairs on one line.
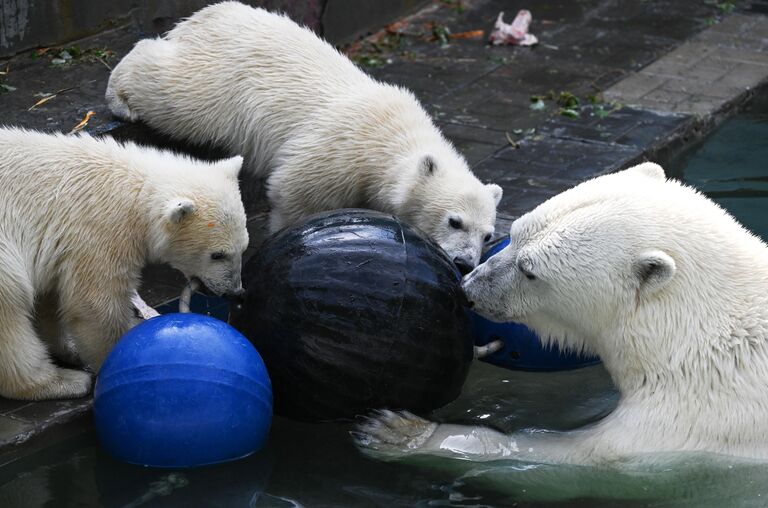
{"points": [[218, 256], [526, 266], [455, 223], [487, 238]]}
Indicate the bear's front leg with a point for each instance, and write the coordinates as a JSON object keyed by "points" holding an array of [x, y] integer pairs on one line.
{"points": [[393, 435], [390, 434], [97, 321], [26, 372]]}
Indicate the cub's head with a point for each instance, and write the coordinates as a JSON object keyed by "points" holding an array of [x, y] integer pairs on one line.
{"points": [[582, 263], [453, 207], [203, 231]]}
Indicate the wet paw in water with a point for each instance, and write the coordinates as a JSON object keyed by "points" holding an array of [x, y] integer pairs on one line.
{"points": [[391, 434]]}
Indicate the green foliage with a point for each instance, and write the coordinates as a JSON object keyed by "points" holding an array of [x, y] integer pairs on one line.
{"points": [[570, 106], [440, 32]]}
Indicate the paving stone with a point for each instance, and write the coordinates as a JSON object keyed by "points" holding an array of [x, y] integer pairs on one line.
{"points": [[476, 134], [703, 73], [13, 431], [627, 126], [474, 152], [718, 89], [7, 406], [567, 160], [699, 108], [737, 25], [746, 75], [713, 38], [47, 410], [718, 65], [731, 57], [760, 28], [635, 86], [668, 67], [666, 96]]}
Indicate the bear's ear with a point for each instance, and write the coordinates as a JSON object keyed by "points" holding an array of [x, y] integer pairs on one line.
{"points": [[647, 169], [427, 166], [177, 209], [231, 167], [496, 192], [654, 269]]}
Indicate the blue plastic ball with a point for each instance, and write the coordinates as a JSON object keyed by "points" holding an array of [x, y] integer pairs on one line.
{"points": [[522, 349], [182, 390]]}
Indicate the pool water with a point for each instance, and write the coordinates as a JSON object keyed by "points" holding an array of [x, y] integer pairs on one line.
{"points": [[731, 166], [316, 465]]}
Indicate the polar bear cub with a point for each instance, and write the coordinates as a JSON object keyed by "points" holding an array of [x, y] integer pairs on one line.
{"points": [[323, 133], [79, 218], [658, 280]]}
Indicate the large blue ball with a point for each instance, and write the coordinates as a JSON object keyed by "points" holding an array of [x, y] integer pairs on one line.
{"points": [[182, 390], [523, 349]]}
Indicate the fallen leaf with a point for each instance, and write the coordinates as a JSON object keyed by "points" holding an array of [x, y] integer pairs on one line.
{"points": [[49, 97], [82, 123], [396, 27], [471, 34]]}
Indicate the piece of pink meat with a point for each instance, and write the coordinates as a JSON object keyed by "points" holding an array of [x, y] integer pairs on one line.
{"points": [[514, 33]]}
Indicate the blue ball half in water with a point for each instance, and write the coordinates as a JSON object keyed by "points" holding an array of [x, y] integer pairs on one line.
{"points": [[182, 390], [522, 347]]}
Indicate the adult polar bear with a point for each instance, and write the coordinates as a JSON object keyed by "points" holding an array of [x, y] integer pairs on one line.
{"points": [[664, 285], [324, 133], [79, 218]]}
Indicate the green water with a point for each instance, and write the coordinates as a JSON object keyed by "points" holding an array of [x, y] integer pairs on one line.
{"points": [[731, 166], [316, 465]]}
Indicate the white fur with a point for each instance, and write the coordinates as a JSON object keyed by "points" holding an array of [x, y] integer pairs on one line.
{"points": [[665, 286], [79, 218], [324, 133]]}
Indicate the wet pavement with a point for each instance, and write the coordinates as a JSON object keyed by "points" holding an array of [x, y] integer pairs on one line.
{"points": [[594, 58]]}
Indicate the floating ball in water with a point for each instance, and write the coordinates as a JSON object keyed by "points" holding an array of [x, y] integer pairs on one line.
{"points": [[354, 310], [182, 390], [522, 349]]}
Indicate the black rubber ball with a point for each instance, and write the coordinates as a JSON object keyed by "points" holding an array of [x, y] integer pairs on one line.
{"points": [[355, 310]]}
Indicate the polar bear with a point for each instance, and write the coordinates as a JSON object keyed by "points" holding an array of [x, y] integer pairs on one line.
{"points": [[658, 280], [323, 133], [79, 218]]}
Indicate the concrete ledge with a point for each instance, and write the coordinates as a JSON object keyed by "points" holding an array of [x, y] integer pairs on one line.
{"points": [[704, 74]]}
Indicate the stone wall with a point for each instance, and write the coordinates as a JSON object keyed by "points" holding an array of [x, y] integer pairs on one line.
{"points": [[26, 24]]}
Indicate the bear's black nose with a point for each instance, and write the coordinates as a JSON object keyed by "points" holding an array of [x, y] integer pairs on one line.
{"points": [[463, 265]]}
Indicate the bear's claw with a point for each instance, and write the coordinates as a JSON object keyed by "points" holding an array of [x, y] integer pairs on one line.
{"points": [[392, 434]]}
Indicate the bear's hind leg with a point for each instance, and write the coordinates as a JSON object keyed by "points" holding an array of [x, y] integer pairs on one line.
{"points": [[26, 372]]}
